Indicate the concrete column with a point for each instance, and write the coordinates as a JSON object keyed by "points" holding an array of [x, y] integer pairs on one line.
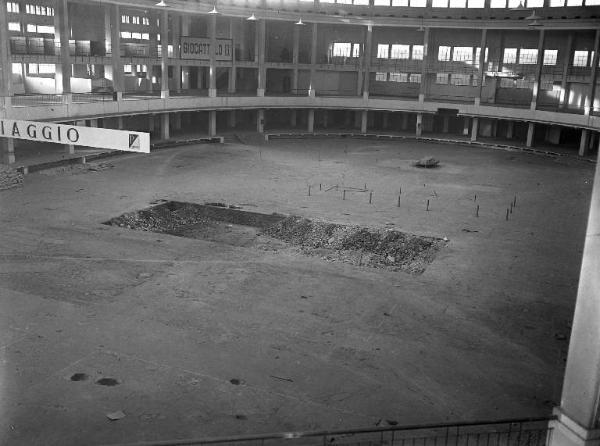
{"points": [[93, 123], [325, 118], [445, 124], [164, 56], [313, 61], [120, 122], [295, 59], [530, 134], [578, 422], [367, 61], [424, 64], [231, 80], [419, 126], [115, 45], [151, 124], [212, 70], [538, 71], [231, 119], [7, 147], [404, 121], [5, 68], [311, 120], [293, 118], [475, 129], [262, 70], [584, 142], [589, 99], [385, 121], [62, 75], [481, 69], [466, 125], [494, 131], [364, 116], [165, 131], [176, 21], [510, 129], [562, 101], [185, 70], [260, 121], [212, 123]]}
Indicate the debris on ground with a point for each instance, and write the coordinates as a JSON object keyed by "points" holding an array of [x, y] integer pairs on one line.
{"points": [[427, 162], [114, 416], [10, 177]]}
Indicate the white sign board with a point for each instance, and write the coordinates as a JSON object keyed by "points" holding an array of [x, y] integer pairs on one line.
{"points": [[76, 135], [199, 48]]}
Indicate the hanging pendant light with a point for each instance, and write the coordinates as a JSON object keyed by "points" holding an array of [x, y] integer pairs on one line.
{"points": [[214, 10], [300, 22], [252, 18], [162, 4]]}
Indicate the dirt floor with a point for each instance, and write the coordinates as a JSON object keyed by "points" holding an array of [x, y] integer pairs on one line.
{"points": [[197, 337]]}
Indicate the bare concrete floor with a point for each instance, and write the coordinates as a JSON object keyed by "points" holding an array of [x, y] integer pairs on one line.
{"points": [[207, 339]]}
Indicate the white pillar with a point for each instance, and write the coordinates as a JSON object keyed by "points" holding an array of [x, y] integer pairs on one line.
{"points": [[510, 129], [164, 59], [530, 134], [419, 126], [578, 422], [260, 121], [212, 123], [583, 143], [311, 120], [364, 116], [466, 124], [262, 70], [164, 125], [212, 69], [424, 64], [475, 129]]}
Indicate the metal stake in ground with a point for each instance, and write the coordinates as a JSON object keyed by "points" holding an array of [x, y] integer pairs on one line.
{"points": [[319, 186], [344, 194], [398, 200], [370, 197], [309, 190], [427, 205], [507, 214], [477, 211], [511, 207], [475, 197], [515, 201]]}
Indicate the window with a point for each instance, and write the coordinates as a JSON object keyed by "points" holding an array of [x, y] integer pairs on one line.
{"points": [[137, 36], [383, 51], [14, 26], [460, 79], [125, 35], [462, 54], [507, 83], [381, 3], [550, 57], [510, 55], [439, 3], [39, 10], [145, 36], [547, 82], [478, 55], [398, 77], [418, 3], [145, 21], [498, 4], [135, 20], [415, 78], [535, 3], [592, 2], [45, 29], [580, 59], [31, 28], [514, 3], [381, 77], [444, 53], [356, 50], [46, 68], [458, 3], [441, 78], [557, 3], [127, 68], [400, 51], [476, 4], [361, 2], [12, 7], [341, 49], [32, 68], [399, 2], [574, 2], [528, 56], [124, 19], [417, 52]]}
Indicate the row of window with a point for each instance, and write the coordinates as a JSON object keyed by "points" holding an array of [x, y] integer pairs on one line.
{"points": [[15, 7], [399, 51], [412, 78], [135, 35], [135, 20], [31, 28]]}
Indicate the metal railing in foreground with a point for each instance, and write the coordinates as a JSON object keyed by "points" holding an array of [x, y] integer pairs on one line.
{"points": [[511, 432]]}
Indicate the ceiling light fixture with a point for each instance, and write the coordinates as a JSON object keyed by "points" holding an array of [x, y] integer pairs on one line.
{"points": [[300, 22], [252, 18], [162, 4], [214, 10]]}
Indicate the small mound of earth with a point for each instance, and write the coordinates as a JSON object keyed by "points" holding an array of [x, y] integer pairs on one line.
{"points": [[427, 162], [10, 177], [377, 248]]}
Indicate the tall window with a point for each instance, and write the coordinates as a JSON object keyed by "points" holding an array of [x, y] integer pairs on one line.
{"points": [[383, 51], [14, 26], [528, 56], [510, 55], [417, 52], [415, 78], [12, 7], [400, 51], [460, 79], [550, 57], [441, 78], [463, 54], [580, 58], [444, 53], [398, 77], [381, 77], [341, 49]]}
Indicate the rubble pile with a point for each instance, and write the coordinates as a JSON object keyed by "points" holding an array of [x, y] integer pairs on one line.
{"points": [[379, 248], [10, 177]]}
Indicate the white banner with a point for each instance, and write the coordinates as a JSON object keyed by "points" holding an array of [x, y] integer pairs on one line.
{"points": [[76, 135], [199, 48]]}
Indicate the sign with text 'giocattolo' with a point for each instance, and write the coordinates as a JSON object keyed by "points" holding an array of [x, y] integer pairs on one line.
{"points": [[76, 135], [199, 48]]}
